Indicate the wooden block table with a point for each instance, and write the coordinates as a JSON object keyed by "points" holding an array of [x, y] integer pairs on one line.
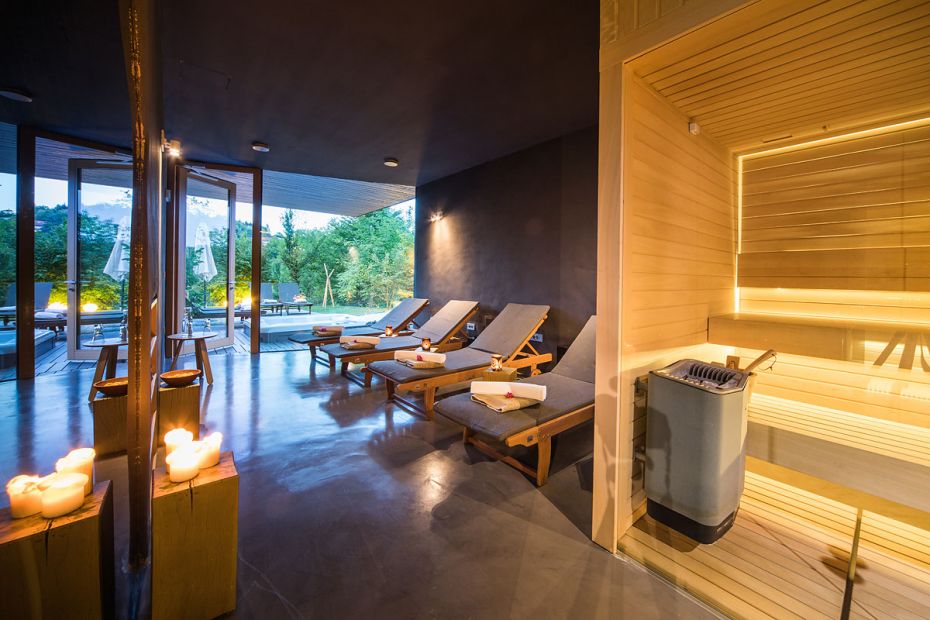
{"points": [[195, 543], [178, 407], [506, 374], [59, 568], [109, 425]]}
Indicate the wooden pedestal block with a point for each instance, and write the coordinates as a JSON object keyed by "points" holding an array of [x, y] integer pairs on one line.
{"points": [[109, 425], [59, 568], [195, 543], [507, 374], [178, 408]]}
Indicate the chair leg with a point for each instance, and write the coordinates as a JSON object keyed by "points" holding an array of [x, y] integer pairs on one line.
{"points": [[429, 399], [312, 353], [98, 374], [389, 386], [367, 377], [344, 368], [332, 363], [542, 464]]}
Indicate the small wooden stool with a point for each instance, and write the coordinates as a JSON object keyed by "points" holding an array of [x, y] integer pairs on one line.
{"points": [[200, 351], [106, 362]]}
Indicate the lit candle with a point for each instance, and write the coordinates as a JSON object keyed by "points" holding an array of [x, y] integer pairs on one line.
{"points": [[497, 362], [64, 493], [184, 463], [176, 438], [426, 344], [210, 450], [389, 330], [25, 496], [80, 461]]}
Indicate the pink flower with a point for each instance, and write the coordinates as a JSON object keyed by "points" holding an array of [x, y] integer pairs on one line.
{"points": [[419, 358], [509, 394]]}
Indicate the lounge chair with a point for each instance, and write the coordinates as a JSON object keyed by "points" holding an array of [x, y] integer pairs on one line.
{"points": [[268, 301], [509, 335], [42, 291], [288, 294], [398, 317], [569, 402], [441, 329]]}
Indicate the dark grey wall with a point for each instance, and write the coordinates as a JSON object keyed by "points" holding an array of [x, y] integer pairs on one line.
{"points": [[522, 228]]}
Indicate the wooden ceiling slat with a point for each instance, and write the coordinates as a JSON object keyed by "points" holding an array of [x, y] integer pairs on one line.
{"points": [[901, 44], [760, 51]]}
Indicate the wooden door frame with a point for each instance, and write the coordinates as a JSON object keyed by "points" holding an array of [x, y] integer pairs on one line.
{"points": [[26, 137]]}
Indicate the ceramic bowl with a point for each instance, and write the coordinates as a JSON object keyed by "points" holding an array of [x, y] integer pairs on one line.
{"points": [[117, 386], [180, 378]]}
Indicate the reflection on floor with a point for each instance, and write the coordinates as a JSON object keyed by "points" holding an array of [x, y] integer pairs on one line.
{"points": [[350, 508], [787, 557]]}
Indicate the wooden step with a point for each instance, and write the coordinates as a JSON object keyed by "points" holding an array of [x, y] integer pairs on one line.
{"points": [[879, 457]]}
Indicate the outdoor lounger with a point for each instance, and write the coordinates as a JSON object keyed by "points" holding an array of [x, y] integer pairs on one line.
{"points": [[399, 317], [509, 335], [569, 402], [441, 329]]}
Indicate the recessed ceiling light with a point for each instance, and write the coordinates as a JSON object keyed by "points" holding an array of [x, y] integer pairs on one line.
{"points": [[16, 95], [391, 162], [260, 147]]}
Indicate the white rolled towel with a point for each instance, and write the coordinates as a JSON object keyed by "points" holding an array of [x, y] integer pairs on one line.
{"points": [[334, 330], [505, 388], [372, 340], [420, 356]]}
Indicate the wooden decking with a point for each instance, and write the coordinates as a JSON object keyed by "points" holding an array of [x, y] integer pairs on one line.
{"points": [[56, 360], [787, 557]]}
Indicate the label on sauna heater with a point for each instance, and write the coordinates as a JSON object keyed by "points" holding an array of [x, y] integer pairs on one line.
{"points": [[696, 447]]}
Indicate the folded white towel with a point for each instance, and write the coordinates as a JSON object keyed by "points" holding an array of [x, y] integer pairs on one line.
{"points": [[335, 330], [372, 340], [420, 356], [504, 388]]}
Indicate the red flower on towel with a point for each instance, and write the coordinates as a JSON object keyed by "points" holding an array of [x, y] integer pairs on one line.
{"points": [[509, 394], [419, 358]]}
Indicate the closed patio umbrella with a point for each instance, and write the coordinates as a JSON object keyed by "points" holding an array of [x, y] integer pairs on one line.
{"points": [[117, 266], [206, 266]]}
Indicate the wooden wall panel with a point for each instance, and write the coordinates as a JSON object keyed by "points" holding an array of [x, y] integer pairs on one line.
{"points": [[851, 214], [678, 248]]}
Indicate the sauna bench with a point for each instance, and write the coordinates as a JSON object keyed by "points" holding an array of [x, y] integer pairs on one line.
{"points": [[886, 459], [824, 337]]}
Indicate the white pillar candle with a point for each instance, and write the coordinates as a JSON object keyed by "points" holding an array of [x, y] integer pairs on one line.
{"points": [[184, 463], [210, 450], [80, 461], [64, 493], [176, 438], [25, 496]]}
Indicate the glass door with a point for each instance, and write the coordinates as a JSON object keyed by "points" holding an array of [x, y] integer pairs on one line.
{"points": [[208, 261], [99, 220]]}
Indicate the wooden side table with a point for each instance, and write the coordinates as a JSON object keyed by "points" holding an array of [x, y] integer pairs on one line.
{"points": [[506, 374], [106, 362], [178, 407], [59, 568], [109, 425], [200, 351], [195, 543]]}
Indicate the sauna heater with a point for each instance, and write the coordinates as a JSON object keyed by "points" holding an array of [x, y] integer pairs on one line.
{"points": [[696, 447]]}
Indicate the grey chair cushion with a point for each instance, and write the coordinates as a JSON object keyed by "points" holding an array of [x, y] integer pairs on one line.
{"points": [[401, 314], [509, 329], [309, 338], [578, 361], [442, 324], [563, 395], [288, 291], [462, 359], [400, 343]]}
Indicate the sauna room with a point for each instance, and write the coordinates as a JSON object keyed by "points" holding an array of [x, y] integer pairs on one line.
{"points": [[774, 195]]}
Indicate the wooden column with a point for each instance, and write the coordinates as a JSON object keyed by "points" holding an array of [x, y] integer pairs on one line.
{"points": [[255, 320], [25, 252], [59, 568], [139, 21]]}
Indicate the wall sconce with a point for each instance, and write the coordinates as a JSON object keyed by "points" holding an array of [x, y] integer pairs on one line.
{"points": [[171, 147], [435, 216]]}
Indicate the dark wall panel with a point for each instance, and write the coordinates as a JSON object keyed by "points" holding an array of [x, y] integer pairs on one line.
{"points": [[522, 228]]}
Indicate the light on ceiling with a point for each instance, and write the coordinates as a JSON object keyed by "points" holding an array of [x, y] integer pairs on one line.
{"points": [[391, 162], [171, 147], [260, 147], [16, 95], [435, 216]]}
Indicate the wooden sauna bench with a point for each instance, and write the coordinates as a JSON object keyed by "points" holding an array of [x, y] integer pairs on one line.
{"points": [[824, 337], [787, 556]]}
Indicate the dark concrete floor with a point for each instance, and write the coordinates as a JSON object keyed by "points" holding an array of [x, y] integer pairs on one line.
{"points": [[351, 508]]}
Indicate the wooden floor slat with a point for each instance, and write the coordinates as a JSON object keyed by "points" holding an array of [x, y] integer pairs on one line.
{"points": [[787, 555]]}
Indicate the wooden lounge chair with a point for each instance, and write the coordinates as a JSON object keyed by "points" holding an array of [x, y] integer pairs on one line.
{"points": [[42, 291], [267, 299], [509, 335], [399, 318], [569, 402], [441, 329], [289, 292]]}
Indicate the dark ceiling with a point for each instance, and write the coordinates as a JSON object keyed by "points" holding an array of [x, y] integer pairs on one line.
{"points": [[333, 87]]}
